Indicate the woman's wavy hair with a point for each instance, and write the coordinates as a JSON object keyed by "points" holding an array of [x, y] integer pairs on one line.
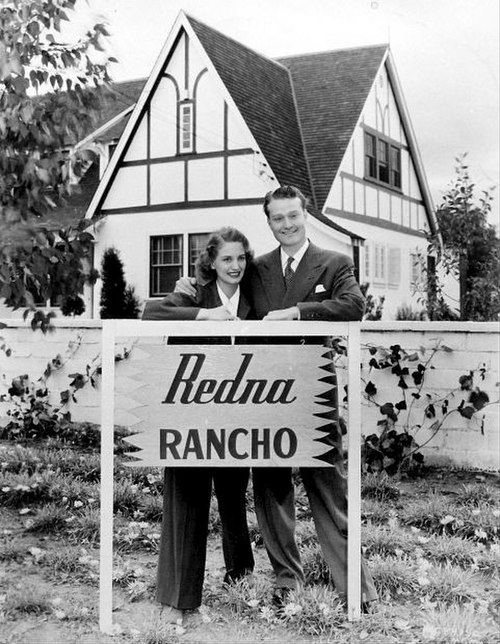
{"points": [[204, 271]]}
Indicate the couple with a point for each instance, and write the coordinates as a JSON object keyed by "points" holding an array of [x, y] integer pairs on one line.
{"points": [[297, 281]]}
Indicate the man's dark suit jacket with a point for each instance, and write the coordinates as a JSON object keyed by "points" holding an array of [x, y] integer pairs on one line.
{"points": [[323, 287]]}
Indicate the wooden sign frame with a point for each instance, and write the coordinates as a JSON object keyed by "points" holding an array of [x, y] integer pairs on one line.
{"points": [[113, 329]]}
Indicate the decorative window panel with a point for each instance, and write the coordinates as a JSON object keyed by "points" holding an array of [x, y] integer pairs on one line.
{"points": [[186, 127]]}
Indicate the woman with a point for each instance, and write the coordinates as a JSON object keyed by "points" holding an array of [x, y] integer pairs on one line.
{"points": [[187, 490]]}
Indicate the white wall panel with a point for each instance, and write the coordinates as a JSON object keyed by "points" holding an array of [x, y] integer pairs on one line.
{"points": [[371, 202], [138, 146], [167, 182], [209, 116], [128, 189], [384, 205], [205, 179], [245, 178], [396, 209], [164, 120], [359, 198], [347, 198]]}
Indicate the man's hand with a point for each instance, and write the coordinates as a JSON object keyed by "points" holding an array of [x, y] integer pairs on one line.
{"points": [[283, 314], [219, 313], [186, 285]]}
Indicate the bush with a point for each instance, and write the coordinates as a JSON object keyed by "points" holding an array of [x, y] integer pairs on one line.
{"points": [[118, 299], [406, 312]]}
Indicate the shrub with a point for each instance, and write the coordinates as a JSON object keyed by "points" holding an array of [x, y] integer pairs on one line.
{"points": [[117, 299], [406, 312]]}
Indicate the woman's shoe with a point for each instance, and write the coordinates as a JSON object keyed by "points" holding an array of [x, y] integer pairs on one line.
{"points": [[171, 615]]}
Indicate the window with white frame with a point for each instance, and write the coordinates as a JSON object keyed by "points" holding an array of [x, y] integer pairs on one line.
{"points": [[168, 260], [186, 127], [379, 263], [165, 263], [382, 160]]}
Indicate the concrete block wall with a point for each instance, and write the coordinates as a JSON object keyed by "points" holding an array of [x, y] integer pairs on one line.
{"points": [[461, 442]]}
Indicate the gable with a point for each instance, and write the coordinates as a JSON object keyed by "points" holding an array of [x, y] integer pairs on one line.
{"points": [[380, 180], [186, 144], [331, 89]]}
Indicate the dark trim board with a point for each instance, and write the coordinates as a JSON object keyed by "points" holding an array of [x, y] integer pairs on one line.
{"points": [[183, 205], [374, 221], [380, 185], [188, 156]]}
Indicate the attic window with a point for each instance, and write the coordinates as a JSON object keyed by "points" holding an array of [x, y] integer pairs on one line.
{"points": [[382, 160], [186, 127]]}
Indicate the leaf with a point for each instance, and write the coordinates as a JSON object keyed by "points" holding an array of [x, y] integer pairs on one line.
{"points": [[467, 412], [370, 389]]}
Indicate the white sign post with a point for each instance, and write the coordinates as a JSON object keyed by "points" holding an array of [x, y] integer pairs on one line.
{"points": [[253, 377]]}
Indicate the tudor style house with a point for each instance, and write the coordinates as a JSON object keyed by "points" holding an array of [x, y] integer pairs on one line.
{"points": [[217, 125]]}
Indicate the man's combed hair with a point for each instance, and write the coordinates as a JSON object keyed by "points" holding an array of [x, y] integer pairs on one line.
{"points": [[284, 192], [204, 271]]}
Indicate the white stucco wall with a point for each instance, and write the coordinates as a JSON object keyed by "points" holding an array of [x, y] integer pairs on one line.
{"points": [[460, 442]]}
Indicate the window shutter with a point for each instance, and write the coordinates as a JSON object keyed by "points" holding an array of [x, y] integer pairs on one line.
{"points": [[394, 266]]}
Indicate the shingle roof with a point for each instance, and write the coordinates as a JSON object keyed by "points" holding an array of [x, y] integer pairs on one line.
{"points": [[331, 89], [262, 91]]}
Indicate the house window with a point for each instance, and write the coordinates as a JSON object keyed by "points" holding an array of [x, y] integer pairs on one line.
{"points": [[196, 243], [382, 160], [165, 263], [370, 156], [186, 127], [395, 167], [394, 266], [379, 263]]}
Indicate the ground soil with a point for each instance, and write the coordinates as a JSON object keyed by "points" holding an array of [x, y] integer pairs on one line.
{"points": [[132, 620]]}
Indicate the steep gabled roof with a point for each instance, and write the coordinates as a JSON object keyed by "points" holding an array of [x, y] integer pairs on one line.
{"points": [[262, 90], [331, 89]]}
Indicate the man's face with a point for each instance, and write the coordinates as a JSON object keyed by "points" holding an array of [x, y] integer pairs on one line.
{"points": [[287, 220]]}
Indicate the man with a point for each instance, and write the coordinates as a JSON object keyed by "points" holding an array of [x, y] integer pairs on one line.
{"points": [[299, 281]]}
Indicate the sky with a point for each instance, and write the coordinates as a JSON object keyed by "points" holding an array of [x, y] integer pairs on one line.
{"points": [[446, 54]]}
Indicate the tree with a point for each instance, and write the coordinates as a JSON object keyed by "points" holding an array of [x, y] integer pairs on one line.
{"points": [[470, 248], [117, 298], [36, 130]]}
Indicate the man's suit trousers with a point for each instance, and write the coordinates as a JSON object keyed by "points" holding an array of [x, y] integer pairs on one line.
{"points": [[275, 508]]}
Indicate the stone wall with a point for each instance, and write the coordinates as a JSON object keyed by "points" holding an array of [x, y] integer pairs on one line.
{"points": [[464, 347]]}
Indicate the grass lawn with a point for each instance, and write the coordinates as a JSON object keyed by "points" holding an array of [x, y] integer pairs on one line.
{"points": [[431, 542]]}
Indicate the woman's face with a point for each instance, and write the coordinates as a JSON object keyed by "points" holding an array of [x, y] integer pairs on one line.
{"points": [[230, 263]]}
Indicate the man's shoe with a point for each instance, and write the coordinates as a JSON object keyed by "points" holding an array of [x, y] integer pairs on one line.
{"points": [[369, 608], [281, 597], [232, 577]]}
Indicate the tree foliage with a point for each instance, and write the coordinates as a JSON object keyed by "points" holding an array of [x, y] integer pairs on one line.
{"points": [[470, 248], [117, 298], [50, 94]]}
